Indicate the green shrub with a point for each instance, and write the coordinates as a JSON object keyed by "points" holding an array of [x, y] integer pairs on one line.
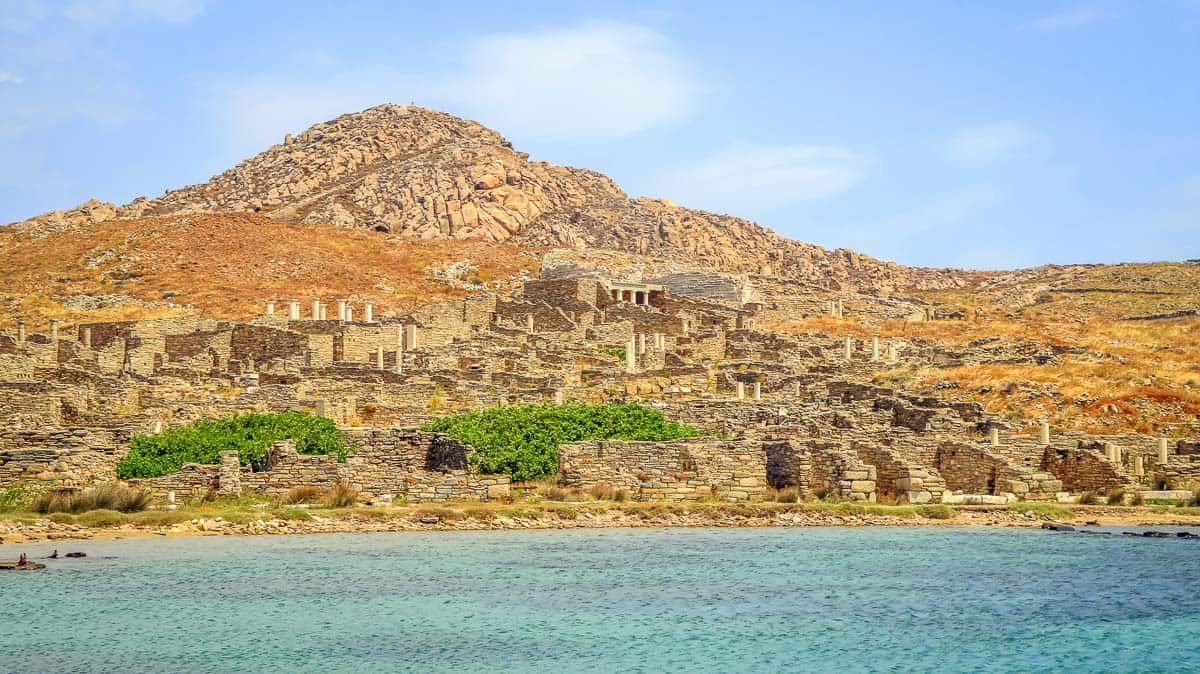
{"points": [[523, 441], [16, 497], [248, 434]]}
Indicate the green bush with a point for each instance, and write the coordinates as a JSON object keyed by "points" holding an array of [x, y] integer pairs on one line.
{"points": [[523, 441], [248, 434], [16, 497]]}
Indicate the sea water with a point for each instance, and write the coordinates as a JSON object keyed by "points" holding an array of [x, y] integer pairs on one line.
{"points": [[658, 600]]}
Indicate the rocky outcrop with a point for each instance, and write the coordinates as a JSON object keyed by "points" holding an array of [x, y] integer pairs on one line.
{"points": [[420, 173]]}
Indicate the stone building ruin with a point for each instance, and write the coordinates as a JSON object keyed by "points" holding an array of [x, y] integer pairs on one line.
{"points": [[791, 411]]}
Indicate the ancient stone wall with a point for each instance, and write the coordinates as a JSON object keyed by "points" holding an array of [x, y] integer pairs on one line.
{"points": [[677, 470], [896, 478], [387, 463], [1083, 470], [973, 469]]}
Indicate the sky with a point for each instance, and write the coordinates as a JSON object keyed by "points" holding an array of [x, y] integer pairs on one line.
{"points": [[965, 134]]}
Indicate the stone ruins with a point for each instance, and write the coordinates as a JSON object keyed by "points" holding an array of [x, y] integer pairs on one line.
{"points": [[782, 411]]}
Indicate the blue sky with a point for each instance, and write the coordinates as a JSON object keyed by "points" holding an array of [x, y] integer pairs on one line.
{"points": [[987, 135]]}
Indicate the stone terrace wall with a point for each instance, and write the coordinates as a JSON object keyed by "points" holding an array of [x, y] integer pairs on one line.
{"points": [[895, 477], [974, 470], [1082, 470], [418, 465], [388, 462], [70, 457], [677, 470], [841, 472]]}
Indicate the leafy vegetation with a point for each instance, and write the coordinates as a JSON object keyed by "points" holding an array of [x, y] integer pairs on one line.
{"points": [[523, 441], [16, 497], [248, 434]]}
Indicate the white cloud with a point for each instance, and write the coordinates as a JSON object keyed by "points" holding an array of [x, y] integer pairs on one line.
{"points": [[1070, 19], [744, 178], [599, 79], [591, 80], [249, 115], [987, 143], [9, 78]]}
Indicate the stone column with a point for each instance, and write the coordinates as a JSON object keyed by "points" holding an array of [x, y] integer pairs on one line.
{"points": [[631, 355], [341, 304], [368, 312], [1044, 438], [796, 390], [1162, 452], [294, 310], [741, 390], [832, 309], [20, 332], [995, 433], [1139, 466], [641, 345], [324, 312], [379, 357], [686, 326], [54, 328], [874, 348], [849, 348], [529, 324], [85, 336], [893, 356], [841, 309], [399, 361], [316, 310], [229, 475], [758, 390], [349, 315], [410, 337], [270, 308]]}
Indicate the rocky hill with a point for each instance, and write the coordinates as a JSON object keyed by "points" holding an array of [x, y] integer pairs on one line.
{"points": [[416, 173]]}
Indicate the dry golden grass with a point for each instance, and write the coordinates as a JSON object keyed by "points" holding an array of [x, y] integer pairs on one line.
{"points": [[1131, 375], [226, 265]]}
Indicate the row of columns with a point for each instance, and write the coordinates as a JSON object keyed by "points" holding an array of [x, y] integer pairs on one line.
{"points": [[22, 332], [320, 310], [836, 309], [741, 390], [638, 344], [1112, 452], [893, 353], [638, 297]]}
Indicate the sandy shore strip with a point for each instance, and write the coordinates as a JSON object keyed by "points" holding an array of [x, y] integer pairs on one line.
{"points": [[241, 522]]}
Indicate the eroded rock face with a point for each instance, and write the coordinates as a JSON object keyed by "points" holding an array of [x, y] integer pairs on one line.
{"points": [[415, 172]]}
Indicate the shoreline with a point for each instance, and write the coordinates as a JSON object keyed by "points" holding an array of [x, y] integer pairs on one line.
{"points": [[215, 522]]}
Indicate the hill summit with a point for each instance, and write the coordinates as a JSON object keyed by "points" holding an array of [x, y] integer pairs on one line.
{"points": [[417, 173]]}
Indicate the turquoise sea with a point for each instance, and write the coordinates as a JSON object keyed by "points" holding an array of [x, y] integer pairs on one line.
{"points": [[660, 600]]}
